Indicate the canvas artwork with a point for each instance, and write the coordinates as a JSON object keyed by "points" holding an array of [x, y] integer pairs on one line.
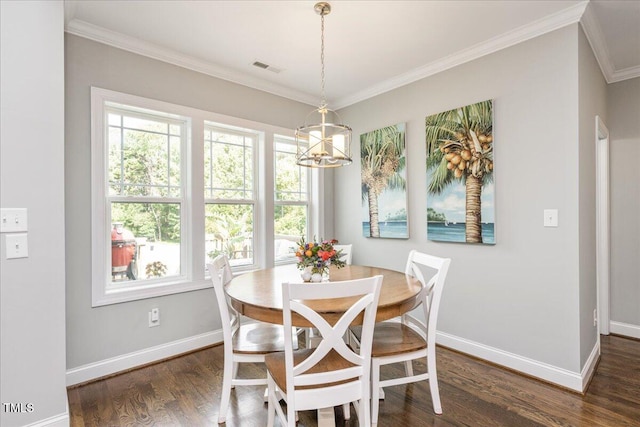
{"points": [[460, 185], [384, 183]]}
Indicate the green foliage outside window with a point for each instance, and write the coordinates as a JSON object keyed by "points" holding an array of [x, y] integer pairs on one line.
{"points": [[144, 161]]}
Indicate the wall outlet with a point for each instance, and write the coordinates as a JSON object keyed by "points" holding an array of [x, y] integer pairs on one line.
{"points": [[154, 317], [595, 317]]}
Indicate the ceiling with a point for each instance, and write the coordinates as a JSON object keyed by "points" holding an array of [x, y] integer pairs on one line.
{"points": [[370, 46]]}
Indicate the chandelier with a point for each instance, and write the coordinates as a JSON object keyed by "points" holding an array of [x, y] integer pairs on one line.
{"points": [[323, 142]]}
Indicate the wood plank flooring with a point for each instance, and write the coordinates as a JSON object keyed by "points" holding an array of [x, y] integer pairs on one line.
{"points": [[185, 391]]}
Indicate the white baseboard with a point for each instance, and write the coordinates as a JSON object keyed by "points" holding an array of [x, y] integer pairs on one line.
{"points": [[61, 420], [137, 358], [553, 374], [590, 366], [625, 329]]}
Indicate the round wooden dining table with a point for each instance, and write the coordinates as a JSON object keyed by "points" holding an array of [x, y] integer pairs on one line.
{"points": [[258, 294]]}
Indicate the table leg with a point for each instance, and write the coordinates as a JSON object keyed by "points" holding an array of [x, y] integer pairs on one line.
{"points": [[326, 416]]}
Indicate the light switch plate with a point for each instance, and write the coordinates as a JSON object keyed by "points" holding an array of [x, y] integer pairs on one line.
{"points": [[13, 220], [17, 245], [551, 217]]}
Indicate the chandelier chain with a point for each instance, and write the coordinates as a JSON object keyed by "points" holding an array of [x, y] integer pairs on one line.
{"points": [[323, 103]]}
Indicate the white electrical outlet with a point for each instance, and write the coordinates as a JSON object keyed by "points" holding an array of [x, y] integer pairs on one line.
{"points": [[154, 317], [595, 317]]}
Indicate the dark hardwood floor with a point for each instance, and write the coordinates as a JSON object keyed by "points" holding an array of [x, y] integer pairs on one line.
{"points": [[185, 392]]}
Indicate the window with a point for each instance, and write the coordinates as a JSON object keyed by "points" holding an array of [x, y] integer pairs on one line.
{"points": [[173, 186], [229, 167], [145, 200], [291, 210]]}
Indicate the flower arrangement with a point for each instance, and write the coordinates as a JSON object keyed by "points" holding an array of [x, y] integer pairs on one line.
{"points": [[317, 257]]}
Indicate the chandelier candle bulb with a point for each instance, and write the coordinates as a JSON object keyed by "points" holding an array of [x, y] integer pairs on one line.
{"points": [[338, 146], [315, 142]]}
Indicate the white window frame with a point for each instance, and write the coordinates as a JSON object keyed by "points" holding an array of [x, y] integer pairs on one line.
{"points": [[307, 203], [193, 275], [254, 201], [104, 292]]}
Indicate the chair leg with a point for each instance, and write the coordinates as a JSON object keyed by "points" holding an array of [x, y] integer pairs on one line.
{"points": [[271, 409], [375, 391], [307, 338], [346, 410], [433, 383], [227, 380], [408, 368], [364, 412], [235, 372]]}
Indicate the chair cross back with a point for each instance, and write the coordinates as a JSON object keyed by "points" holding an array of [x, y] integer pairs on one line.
{"points": [[331, 336], [332, 373], [430, 293]]}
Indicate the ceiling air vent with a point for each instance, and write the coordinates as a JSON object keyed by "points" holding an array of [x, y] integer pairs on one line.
{"points": [[266, 67]]}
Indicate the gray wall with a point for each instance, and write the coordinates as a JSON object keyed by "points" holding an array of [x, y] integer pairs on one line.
{"points": [[32, 306], [522, 295], [624, 132], [95, 334], [592, 103]]}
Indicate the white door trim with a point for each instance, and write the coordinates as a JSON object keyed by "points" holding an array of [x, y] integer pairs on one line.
{"points": [[602, 226]]}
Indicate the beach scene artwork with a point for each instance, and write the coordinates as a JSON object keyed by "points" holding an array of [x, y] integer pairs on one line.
{"points": [[460, 184], [384, 183]]}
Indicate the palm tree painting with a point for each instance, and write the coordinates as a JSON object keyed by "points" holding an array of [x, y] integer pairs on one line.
{"points": [[460, 146], [384, 193]]}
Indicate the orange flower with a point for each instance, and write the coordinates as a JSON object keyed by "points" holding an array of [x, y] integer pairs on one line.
{"points": [[308, 253]]}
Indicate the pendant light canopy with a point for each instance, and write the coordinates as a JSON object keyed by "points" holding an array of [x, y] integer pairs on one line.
{"points": [[323, 141]]}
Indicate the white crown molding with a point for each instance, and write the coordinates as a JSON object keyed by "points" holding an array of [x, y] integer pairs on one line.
{"points": [[93, 32], [553, 22], [577, 13], [625, 74], [594, 34]]}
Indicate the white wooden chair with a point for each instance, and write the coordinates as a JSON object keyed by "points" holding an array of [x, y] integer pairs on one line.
{"points": [[409, 338], [243, 343], [332, 373], [346, 252]]}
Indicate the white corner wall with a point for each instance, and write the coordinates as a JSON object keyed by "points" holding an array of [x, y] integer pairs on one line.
{"points": [[624, 127], [592, 102], [516, 303], [32, 291]]}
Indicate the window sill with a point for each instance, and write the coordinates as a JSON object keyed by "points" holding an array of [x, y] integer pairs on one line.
{"points": [[116, 296]]}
